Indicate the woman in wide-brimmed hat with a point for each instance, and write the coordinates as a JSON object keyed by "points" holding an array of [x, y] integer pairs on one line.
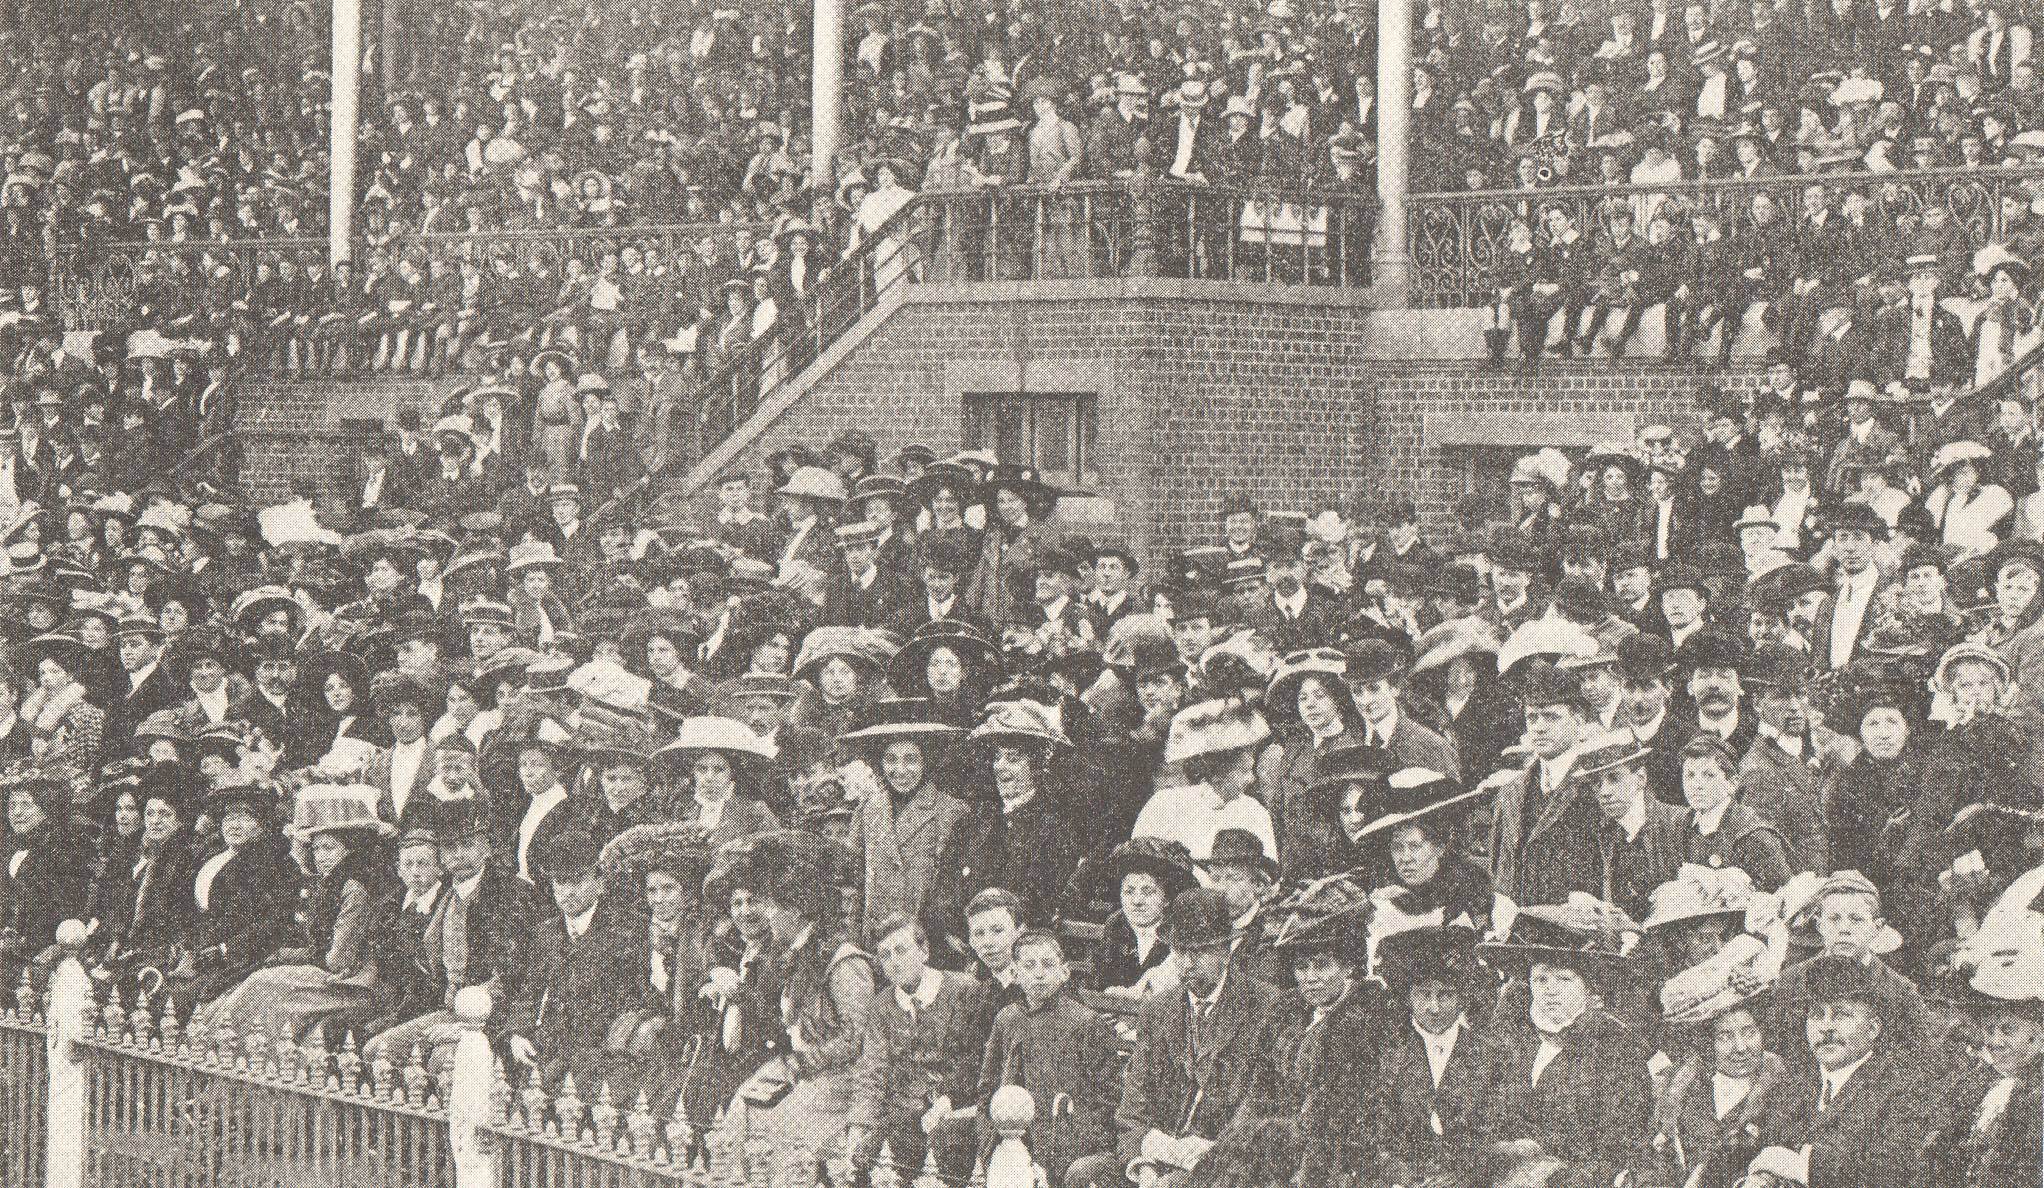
{"points": [[662, 865], [50, 854], [1590, 1107], [901, 827], [146, 908], [797, 1102], [843, 672], [246, 893], [1018, 501], [1971, 513], [1025, 840], [1315, 714], [1142, 876], [331, 976], [64, 725], [722, 766], [950, 662], [1407, 842], [1726, 1090], [951, 499]]}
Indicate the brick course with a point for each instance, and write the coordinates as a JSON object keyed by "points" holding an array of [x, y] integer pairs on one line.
{"points": [[1197, 398]]}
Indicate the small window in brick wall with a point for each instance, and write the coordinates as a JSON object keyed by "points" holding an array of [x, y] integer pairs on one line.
{"points": [[1051, 431]]}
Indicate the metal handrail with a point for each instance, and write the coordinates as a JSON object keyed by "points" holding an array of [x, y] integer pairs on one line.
{"points": [[1457, 240]]}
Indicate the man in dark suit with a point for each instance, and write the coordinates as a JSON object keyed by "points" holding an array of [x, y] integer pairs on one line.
{"points": [[1294, 615], [1543, 841], [861, 593], [1376, 676], [1863, 1111], [147, 687], [583, 972], [1851, 609], [478, 935], [1202, 1051]]}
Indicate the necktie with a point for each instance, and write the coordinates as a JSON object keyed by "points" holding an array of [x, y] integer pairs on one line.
{"points": [[454, 940], [1830, 1095]]}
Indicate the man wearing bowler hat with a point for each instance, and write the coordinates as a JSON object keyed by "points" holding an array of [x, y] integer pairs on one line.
{"points": [[1850, 612], [1202, 1050], [1782, 774], [1864, 1110]]}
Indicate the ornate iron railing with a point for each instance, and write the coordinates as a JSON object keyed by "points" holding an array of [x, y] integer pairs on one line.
{"points": [[103, 286], [166, 1103], [1137, 227], [24, 1091], [1458, 240]]}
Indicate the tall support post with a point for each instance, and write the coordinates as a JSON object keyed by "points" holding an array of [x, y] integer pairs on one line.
{"points": [[347, 72], [1391, 261], [826, 88]]}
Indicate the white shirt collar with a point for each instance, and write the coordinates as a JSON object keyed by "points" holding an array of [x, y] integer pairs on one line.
{"points": [[1293, 606], [1835, 1079], [466, 888], [577, 925], [925, 993], [1707, 822], [1634, 820], [1794, 746]]}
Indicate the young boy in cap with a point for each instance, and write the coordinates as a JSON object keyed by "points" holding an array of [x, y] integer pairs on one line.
{"points": [[1063, 1052]]}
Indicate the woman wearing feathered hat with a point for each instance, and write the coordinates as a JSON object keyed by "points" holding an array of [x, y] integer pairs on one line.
{"points": [[1214, 745], [1022, 838], [658, 1045], [331, 976], [795, 1106], [1727, 1091]]}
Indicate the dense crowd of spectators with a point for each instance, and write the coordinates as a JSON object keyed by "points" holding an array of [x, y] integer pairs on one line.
{"points": [[1675, 822], [1678, 819]]}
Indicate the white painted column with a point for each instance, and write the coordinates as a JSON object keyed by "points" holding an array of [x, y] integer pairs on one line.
{"points": [[826, 92], [347, 90], [1391, 262], [468, 1100], [70, 998]]}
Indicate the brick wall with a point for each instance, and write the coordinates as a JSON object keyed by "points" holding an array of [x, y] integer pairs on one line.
{"points": [[1196, 398], [1201, 393], [294, 429], [1431, 416]]}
